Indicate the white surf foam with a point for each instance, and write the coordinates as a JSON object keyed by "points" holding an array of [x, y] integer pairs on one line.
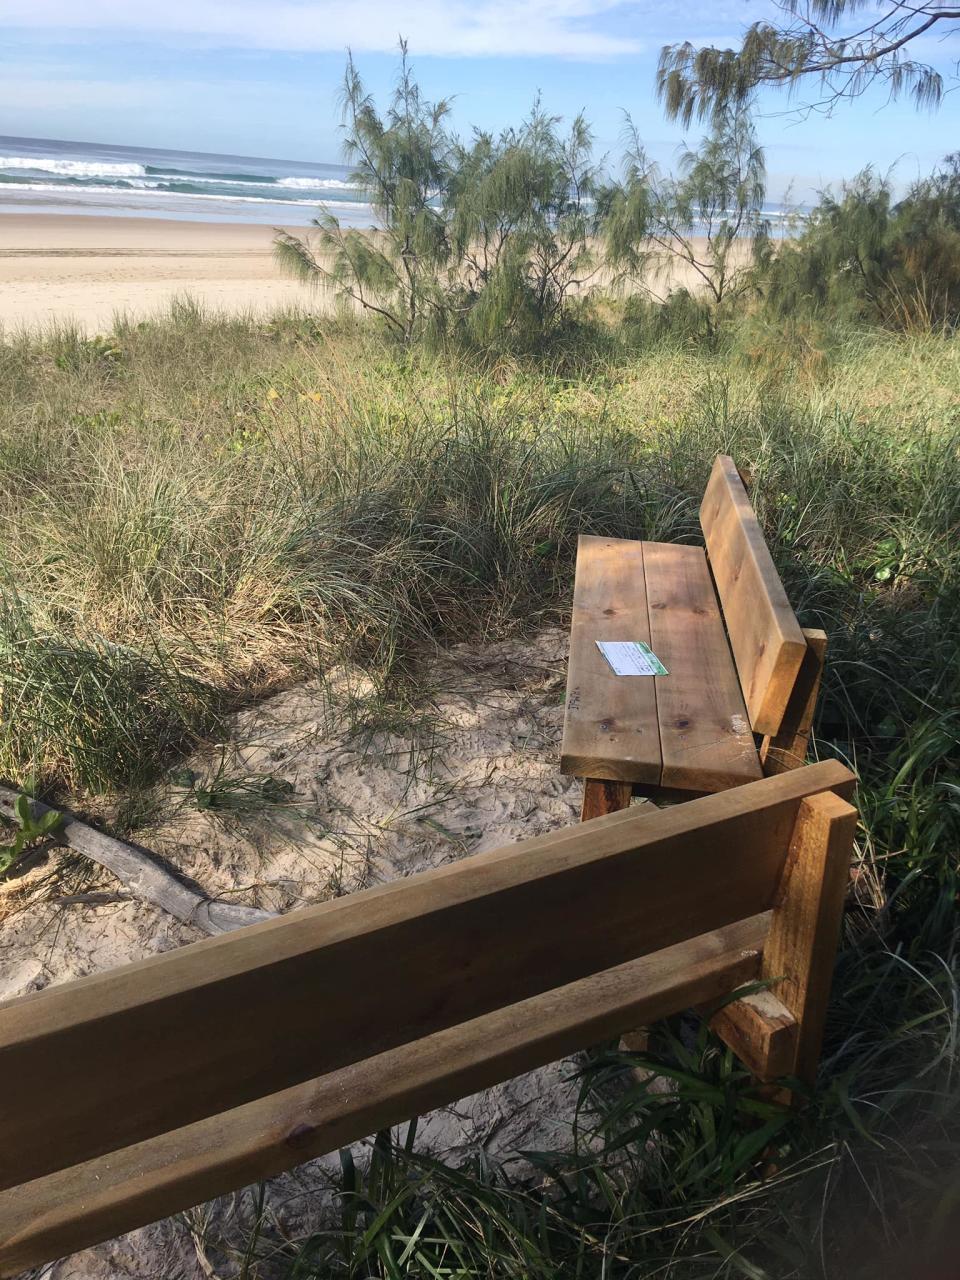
{"points": [[311, 184], [73, 168], [130, 194]]}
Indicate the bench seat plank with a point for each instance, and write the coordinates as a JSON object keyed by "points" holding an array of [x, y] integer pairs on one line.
{"points": [[101, 1198], [687, 731], [706, 742], [610, 727]]}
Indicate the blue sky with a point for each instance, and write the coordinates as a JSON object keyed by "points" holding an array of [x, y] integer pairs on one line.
{"points": [[260, 77]]}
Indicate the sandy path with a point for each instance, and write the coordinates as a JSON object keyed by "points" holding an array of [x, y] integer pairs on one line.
{"points": [[367, 804], [60, 267]]}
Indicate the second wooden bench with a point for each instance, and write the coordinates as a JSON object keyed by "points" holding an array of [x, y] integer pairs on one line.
{"points": [[743, 675]]}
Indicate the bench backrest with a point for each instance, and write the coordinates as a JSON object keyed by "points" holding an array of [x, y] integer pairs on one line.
{"points": [[312, 1029], [118, 1057], [768, 645]]}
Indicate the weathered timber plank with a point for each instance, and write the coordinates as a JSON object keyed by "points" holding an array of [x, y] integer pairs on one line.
{"points": [[706, 742], [610, 722], [801, 948], [788, 748], [766, 639], [762, 1032], [77, 1207], [100, 1062]]}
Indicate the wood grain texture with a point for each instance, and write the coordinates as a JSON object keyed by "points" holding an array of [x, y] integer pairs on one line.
{"points": [[767, 643], [610, 722], [788, 748], [94, 1201], [601, 797], [762, 1032], [115, 1058], [706, 743], [800, 950]]}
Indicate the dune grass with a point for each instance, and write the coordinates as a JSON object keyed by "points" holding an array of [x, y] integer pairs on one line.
{"points": [[197, 511]]}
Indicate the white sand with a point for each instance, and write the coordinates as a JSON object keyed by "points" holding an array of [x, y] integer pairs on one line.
{"points": [[84, 269], [56, 268]]}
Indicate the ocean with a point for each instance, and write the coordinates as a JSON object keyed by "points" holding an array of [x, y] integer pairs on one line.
{"points": [[46, 175]]}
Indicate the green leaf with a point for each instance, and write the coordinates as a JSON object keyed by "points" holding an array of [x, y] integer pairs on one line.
{"points": [[183, 777], [50, 821], [21, 808]]}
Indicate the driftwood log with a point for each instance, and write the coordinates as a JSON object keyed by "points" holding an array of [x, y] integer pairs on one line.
{"points": [[143, 874]]}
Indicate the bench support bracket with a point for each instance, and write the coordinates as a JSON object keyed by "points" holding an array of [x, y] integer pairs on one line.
{"points": [[788, 748], [778, 1032], [798, 955]]}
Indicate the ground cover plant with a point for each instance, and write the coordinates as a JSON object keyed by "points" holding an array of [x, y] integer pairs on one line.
{"points": [[198, 511]]}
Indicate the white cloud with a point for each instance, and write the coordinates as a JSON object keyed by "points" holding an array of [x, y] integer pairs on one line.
{"points": [[577, 29]]}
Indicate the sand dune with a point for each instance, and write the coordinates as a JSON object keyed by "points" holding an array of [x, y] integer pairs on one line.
{"points": [[363, 810]]}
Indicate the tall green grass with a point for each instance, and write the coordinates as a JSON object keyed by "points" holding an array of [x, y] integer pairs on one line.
{"points": [[699, 1179], [197, 511], [231, 506]]}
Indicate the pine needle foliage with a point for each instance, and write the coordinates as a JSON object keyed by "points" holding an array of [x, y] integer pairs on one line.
{"points": [[842, 47], [863, 256], [702, 219], [484, 241], [523, 210], [401, 164]]}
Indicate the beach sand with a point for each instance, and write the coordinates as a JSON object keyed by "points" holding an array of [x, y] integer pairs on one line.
{"points": [[56, 268], [62, 267], [365, 808]]}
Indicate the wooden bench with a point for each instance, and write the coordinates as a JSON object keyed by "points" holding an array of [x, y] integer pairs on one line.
{"points": [[135, 1093], [743, 676]]}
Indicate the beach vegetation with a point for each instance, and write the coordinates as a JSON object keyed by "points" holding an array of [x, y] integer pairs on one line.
{"points": [[389, 499], [29, 830], [502, 241], [522, 209], [708, 219], [482, 241], [864, 256], [400, 161], [821, 53], [198, 511]]}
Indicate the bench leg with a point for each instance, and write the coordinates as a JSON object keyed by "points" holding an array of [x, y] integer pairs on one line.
{"points": [[601, 796], [781, 1033], [801, 947]]}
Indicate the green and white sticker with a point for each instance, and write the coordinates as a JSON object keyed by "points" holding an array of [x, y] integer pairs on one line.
{"points": [[631, 658]]}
